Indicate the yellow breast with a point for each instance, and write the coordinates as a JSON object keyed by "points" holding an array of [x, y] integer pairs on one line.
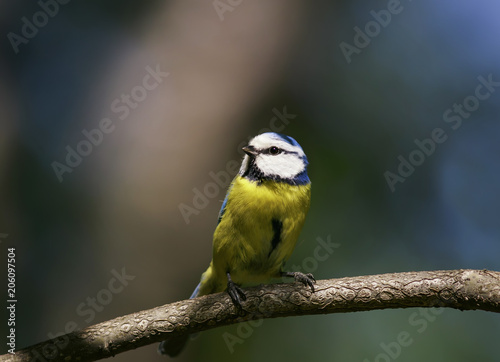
{"points": [[258, 230]]}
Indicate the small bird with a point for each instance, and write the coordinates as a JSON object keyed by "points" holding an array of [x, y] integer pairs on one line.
{"points": [[259, 223]]}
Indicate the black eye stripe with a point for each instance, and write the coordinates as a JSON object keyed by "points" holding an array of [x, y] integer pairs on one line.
{"points": [[273, 150], [267, 151]]}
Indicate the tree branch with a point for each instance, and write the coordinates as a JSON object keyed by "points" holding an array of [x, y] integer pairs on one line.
{"points": [[459, 289]]}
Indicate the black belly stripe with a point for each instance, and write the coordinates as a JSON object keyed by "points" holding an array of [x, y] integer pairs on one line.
{"points": [[277, 229]]}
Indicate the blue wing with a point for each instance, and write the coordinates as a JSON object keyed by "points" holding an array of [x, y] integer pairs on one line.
{"points": [[196, 291], [221, 214], [224, 203]]}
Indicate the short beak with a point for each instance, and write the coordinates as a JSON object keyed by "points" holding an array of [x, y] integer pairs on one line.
{"points": [[250, 151]]}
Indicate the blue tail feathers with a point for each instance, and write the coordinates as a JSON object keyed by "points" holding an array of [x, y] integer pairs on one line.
{"points": [[173, 346]]}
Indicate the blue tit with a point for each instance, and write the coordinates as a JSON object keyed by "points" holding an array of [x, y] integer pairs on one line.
{"points": [[259, 222]]}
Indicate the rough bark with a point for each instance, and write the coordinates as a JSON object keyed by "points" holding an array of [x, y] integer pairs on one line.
{"points": [[459, 289]]}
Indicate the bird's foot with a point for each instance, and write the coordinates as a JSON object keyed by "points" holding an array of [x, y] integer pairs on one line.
{"points": [[306, 279], [235, 292]]}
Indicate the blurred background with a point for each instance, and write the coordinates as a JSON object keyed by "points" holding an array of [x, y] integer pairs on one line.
{"points": [[116, 115]]}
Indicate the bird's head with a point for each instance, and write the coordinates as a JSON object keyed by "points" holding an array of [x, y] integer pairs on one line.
{"points": [[274, 156]]}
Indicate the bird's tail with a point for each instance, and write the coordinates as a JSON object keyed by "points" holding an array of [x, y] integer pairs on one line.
{"points": [[173, 346]]}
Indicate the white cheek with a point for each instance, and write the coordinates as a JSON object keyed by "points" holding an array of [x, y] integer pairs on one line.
{"points": [[244, 164], [283, 165]]}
